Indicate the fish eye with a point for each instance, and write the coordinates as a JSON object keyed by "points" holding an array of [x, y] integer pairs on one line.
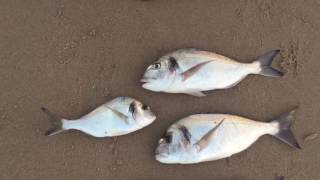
{"points": [[145, 107], [168, 138], [156, 65]]}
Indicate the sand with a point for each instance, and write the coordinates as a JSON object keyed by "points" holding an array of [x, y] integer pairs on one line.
{"points": [[71, 56]]}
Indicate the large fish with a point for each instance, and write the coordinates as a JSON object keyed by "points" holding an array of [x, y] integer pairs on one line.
{"points": [[206, 137], [117, 117], [192, 71]]}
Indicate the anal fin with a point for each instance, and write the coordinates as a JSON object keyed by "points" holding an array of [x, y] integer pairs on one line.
{"points": [[195, 93], [235, 83]]}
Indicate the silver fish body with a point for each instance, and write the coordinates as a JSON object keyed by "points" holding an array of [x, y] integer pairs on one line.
{"points": [[117, 117], [206, 137], [192, 71]]}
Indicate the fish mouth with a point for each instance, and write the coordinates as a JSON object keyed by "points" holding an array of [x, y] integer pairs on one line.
{"points": [[153, 117], [148, 80], [160, 155], [160, 158], [144, 80]]}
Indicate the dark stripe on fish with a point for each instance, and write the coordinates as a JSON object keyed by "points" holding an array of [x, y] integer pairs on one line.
{"points": [[173, 64], [132, 108], [186, 133]]}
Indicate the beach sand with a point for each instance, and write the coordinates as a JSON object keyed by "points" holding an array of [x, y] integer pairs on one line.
{"points": [[71, 56]]}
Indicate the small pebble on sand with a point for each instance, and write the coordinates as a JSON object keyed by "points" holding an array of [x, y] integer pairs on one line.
{"points": [[92, 33]]}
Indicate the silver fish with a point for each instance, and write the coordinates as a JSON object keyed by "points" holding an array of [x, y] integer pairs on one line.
{"points": [[191, 71], [206, 137], [117, 117]]}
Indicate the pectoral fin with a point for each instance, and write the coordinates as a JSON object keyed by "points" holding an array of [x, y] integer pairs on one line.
{"points": [[190, 72], [204, 141], [120, 115]]}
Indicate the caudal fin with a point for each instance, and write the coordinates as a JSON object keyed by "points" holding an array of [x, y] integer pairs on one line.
{"points": [[284, 133], [265, 62], [56, 123]]}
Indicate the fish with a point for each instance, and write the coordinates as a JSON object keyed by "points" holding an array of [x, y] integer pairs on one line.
{"points": [[193, 71], [207, 137], [120, 116]]}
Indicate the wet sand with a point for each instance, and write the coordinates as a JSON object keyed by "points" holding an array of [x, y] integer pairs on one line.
{"points": [[71, 56]]}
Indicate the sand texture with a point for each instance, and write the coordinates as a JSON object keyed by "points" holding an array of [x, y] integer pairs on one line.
{"points": [[71, 56]]}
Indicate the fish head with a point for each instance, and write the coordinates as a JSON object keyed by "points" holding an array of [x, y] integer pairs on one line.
{"points": [[141, 113], [170, 148], [158, 76]]}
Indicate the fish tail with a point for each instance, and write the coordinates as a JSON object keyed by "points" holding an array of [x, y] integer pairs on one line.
{"points": [[264, 61], [283, 132], [55, 121]]}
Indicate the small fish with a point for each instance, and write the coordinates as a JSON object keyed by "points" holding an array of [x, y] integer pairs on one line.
{"points": [[192, 71], [207, 137], [119, 116]]}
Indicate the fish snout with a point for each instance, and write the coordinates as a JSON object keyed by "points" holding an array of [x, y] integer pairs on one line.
{"points": [[159, 154], [160, 157], [144, 116], [153, 117], [144, 80], [149, 115], [162, 149]]}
